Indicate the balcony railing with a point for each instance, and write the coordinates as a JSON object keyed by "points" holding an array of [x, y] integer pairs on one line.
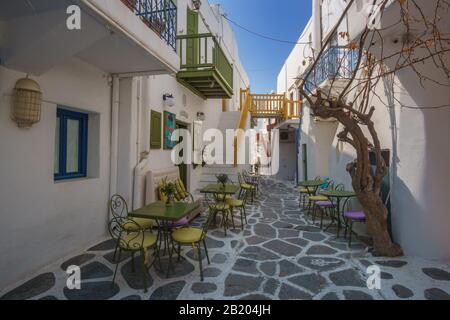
{"points": [[158, 15], [336, 63], [202, 52]]}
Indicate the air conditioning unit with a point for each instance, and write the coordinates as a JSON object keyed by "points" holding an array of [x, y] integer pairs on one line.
{"points": [[287, 136]]}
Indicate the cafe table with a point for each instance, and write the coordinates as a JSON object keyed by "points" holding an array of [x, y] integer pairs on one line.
{"points": [[164, 216], [338, 196], [311, 185], [219, 189]]}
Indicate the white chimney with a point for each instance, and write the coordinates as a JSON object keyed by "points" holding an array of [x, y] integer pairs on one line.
{"points": [[317, 26]]}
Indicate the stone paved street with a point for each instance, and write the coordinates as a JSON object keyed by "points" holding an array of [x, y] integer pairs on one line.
{"points": [[279, 255]]}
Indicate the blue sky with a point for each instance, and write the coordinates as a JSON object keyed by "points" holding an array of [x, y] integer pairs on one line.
{"points": [[281, 19]]}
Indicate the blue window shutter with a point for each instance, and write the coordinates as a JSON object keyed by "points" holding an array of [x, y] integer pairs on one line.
{"points": [[63, 116]]}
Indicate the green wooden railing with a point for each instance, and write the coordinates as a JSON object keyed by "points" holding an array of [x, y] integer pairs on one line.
{"points": [[203, 52]]}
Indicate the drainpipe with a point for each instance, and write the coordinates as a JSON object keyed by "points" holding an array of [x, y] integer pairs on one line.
{"points": [[139, 84], [114, 135], [138, 126], [317, 26]]}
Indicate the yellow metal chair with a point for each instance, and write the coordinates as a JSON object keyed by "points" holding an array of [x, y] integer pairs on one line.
{"points": [[137, 240], [245, 187], [240, 205], [194, 237], [312, 200], [119, 210], [305, 192]]}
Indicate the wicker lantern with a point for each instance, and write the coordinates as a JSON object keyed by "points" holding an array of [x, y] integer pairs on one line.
{"points": [[26, 108]]}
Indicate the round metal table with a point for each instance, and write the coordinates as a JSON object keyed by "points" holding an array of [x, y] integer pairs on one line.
{"points": [[338, 195]]}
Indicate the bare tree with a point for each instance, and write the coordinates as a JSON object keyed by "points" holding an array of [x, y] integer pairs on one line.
{"points": [[425, 42]]}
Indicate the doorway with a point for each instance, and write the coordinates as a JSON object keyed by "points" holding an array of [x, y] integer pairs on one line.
{"points": [[183, 166]]}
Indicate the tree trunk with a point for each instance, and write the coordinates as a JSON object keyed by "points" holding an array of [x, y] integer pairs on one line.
{"points": [[376, 216], [366, 183]]}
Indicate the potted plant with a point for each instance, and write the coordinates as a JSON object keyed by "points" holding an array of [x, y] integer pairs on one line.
{"points": [[222, 179], [169, 190]]}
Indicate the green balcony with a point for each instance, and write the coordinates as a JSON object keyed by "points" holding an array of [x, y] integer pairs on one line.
{"points": [[205, 69]]}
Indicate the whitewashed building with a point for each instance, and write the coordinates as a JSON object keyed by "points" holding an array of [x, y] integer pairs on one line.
{"points": [[100, 86], [415, 141]]}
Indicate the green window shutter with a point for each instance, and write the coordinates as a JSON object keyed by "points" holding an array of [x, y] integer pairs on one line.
{"points": [[192, 44], [155, 130]]}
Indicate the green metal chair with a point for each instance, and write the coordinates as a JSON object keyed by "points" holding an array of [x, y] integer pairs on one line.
{"points": [[138, 240], [326, 207], [194, 237], [245, 187], [119, 210], [218, 207], [305, 193], [239, 204]]}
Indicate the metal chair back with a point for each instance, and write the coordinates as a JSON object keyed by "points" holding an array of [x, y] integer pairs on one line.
{"points": [[119, 227], [118, 206]]}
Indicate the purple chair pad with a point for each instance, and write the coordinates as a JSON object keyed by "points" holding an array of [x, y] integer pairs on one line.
{"points": [[355, 215], [327, 204]]}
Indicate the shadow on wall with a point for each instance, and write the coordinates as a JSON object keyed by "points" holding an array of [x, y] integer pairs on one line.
{"points": [[431, 218], [319, 140]]}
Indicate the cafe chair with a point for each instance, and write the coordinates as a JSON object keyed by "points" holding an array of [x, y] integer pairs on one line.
{"points": [[239, 204], [251, 180], [312, 200], [325, 207], [357, 216], [131, 237], [195, 237], [119, 210], [245, 187], [305, 192]]}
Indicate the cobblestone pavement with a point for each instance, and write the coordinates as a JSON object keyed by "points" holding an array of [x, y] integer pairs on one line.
{"points": [[279, 255]]}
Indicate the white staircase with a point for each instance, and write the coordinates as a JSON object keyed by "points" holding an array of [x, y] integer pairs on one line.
{"points": [[228, 120]]}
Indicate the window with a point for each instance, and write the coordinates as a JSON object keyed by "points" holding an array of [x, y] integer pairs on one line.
{"points": [[70, 145], [155, 130]]}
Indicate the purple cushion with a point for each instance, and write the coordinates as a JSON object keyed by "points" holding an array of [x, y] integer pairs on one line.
{"points": [[327, 204], [355, 215], [180, 223]]}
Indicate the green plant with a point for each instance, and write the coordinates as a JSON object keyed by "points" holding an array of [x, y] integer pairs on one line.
{"points": [[168, 188], [222, 178]]}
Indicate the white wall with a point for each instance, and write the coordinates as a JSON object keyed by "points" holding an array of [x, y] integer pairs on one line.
{"points": [[418, 140], [153, 88], [43, 220]]}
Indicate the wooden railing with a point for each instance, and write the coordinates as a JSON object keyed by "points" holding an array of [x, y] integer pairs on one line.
{"points": [[202, 52], [271, 105], [293, 109], [264, 105]]}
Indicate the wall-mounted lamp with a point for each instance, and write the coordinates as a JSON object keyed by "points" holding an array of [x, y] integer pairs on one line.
{"points": [[168, 99], [27, 100], [200, 116]]}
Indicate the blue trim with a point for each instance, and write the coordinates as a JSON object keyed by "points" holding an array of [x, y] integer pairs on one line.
{"points": [[63, 115], [159, 11]]}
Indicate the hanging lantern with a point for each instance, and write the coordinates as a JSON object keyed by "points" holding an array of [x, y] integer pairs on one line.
{"points": [[27, 100]]}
